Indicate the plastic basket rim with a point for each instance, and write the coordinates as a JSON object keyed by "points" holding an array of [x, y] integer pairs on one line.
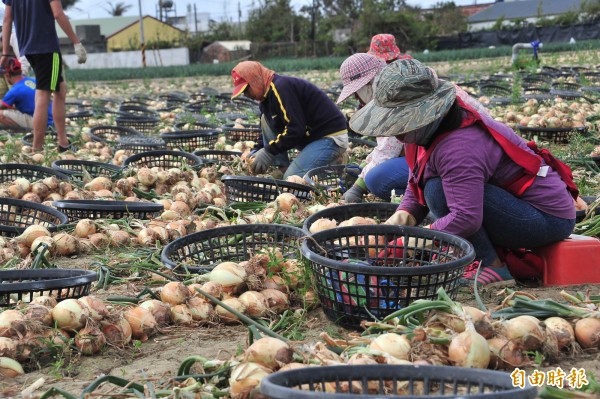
{"points": [[39, 168], [327, 211], [109, 205], [272, 385], [250, 129], [551, 129], [56, 165], [189, 133], [388, 270], [79, 277], [217, 152], [63, 219], [272, 181], [182, 154], [181, 242]]}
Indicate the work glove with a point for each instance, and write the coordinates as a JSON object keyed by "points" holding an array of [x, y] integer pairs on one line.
{"points": [[402, 218], [354, 194], [262, 161], [81, 53]]}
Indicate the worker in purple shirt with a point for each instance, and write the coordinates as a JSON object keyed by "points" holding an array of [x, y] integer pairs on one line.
{"points": [[476, 175]]}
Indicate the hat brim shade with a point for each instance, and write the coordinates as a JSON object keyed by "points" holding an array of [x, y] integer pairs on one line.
{"points": [[388, 55], [239, 89], [378, 121], [353, 87]]}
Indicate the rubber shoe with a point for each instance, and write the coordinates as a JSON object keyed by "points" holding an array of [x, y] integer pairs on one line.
{"points": [[489, 277], [70, 147]]}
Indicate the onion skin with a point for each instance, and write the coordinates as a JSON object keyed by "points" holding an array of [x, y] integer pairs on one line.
{"points": [[255, 303], [562, 330], [270, 352], [587, 332], [505, 354], [40, 313], [225, 316], [11, 321], [160, 310], [70, 314], [8, 347], [95, 306], [117, 332], [10, 368], [277, 300], [90, 340], [142, 322], [469, 349], [174, 293], [245, 377], [526, 330], [396, 345]]}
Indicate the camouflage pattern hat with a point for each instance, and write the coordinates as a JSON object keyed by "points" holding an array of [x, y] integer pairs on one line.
{"points": [[408, 95]]}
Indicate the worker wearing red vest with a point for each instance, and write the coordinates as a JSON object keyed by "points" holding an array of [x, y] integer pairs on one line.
{"points": [[478, 178]]}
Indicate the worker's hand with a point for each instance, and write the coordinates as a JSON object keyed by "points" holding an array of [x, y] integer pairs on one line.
{"points": [[402, 218], [354, 194], [262, 161], [81, 53]]}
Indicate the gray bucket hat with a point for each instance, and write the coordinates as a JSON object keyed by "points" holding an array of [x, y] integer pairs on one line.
{"points": [[408, 95]]}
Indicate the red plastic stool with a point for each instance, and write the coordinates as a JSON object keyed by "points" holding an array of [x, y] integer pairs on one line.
{"points": [[575, 260]]}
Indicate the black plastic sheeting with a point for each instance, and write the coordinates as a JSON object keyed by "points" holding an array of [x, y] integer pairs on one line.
{"points": [[546, 34]]}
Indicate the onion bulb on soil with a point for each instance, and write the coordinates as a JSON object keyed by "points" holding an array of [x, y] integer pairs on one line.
{"points": [[200, 309], [117, 331], [160, 310], [526, 330], [505, 354], [394, 344], [226, 316], [84, 228], [230, 275], [39, 313], [45, 300], [277, 300], [562, 330], [95, 307], [587, 332], [66, 244], [90, 340], [70, 314], [11, 321], [174, 293], [270, 352], [142, 322], [180, 314], [255, 303], [245, 377], [285, 201], [31, 233], [469, 349], [213, 288], [8, 347], [10, 368]]}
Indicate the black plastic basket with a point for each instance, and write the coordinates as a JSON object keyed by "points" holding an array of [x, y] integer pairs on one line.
{"points": [[333, 178], [75, 168], [540, 81], [217, 156], [25, 285], [537, 93], [261, 189], [137, 111], [196, 126], [11, 171], [556, 135], [190, 140], [494, 90], [112, 134], [16, 215], [138, 144], [27, 139], [80, 116], [363, 271], [107, 209], [580, 215], [200, 252], [164, 159], [569, 86], [392, 381], [246, 133], [380, 211], [566, 94], [144, 124]]}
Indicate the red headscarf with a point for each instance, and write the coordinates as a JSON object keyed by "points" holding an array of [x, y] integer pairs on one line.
{"points": [[258, 77]]}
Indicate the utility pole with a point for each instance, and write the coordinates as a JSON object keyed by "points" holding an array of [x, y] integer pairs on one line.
{"points": [[143, 43], [239, 29], [195, 19], [160, 10]]}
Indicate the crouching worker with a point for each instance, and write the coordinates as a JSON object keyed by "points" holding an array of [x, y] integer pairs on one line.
{"points": [[295, 114], [18, 104], [480, 179]]}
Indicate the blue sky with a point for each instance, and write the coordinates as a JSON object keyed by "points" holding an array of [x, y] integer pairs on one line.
{"points": [[219, 9]]}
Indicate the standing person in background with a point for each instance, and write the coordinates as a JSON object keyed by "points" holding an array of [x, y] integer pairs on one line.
{"points": [[384, 46], [36, 33], [295, 114], [18, 104]]}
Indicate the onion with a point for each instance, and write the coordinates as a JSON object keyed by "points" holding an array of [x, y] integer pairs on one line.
{"points": [[118, 238], [23, 182], [245, 377], [95, 307], [52, 182], [561, 330], [70, 314], [11, 321], [40, 189], [99, 183], [285, 201], [45, 300], [90, 340], [8, 347], [255, 303], [230, 275], [394, 344], [277, 300], [46, 240], [200, 309], [84, 228], [270, 352], [587, 332], [225, 315], [66, 244], [322, 224], [10, 368], [147, 236], [117, 332], [296, 179], [469, 349], [32, 197], [192, 289], [142, 322], [174, 293], [315, 208], [213, 288], [160, 310], [276, 283], [505, 354], [526, 330], [181, 314], [31, 233], [39, 313]]}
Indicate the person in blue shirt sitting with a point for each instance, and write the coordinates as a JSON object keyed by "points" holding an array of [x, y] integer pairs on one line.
{"points": [[18, 104]]}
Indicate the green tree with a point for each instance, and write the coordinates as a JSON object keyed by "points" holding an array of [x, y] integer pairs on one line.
{"points": [[591, 10], [117, 9], [272, 21], [447, 19]]}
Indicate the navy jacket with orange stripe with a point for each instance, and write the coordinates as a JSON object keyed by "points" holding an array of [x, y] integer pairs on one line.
{"points": [[299, 113]]}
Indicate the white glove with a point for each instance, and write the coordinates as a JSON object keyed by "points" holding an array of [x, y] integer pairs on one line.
{"points": [[81, 53], [402, 218]]}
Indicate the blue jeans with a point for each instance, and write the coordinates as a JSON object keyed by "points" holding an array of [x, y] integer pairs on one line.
{"points": [[508, 222], [387, 176], [322, 152]]}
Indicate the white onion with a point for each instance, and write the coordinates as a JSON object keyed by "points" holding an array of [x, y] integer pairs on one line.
{"points": [[84, 228], [160, 310], [230, 275], [270, 352], [561, 329], [469, 349], [8, 347], [174, 293], [10, 321], [322, 224], [245, 377], [181, 314], [40, 313], [45, 300], [90, 340], [117, 332], [255, 303], [285, 201], [31, 233], [95, 307], [225, 315], [277, 300], [396, 345], [66, 244], [142, 322], [525, 330], [200, 309], [10, 368], [70, 314], [587, 332]]}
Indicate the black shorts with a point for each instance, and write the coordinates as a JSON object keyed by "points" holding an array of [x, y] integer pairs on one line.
{"points": [[48, 70]]}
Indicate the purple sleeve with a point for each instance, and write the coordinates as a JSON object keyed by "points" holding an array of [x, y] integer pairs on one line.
{"points": [[411, 205]]}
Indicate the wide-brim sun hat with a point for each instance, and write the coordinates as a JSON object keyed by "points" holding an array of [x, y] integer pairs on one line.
{"points": [[384, 46], [356, 71], [408, 95]]}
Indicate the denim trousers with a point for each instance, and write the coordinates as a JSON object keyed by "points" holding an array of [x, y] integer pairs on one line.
{"points": [[322, 152], [387, 176], [508, 222]]}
